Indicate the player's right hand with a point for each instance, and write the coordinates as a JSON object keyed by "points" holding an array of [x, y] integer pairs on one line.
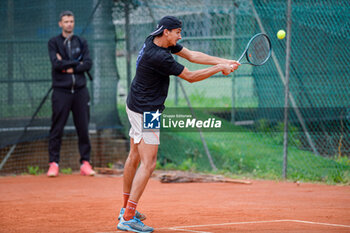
{"points": [[234, 66], [227, 69]]}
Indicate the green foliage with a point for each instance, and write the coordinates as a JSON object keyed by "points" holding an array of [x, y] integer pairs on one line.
{"points": [[34, 170], [166, 166], [170, 166], [159, 165], [110, 165], [187, 165], [343, 160], [276, 132], [250, 154], [66, 170]]}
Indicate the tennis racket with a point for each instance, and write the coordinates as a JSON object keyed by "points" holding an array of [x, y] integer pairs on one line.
{"points": [[257, 51]]}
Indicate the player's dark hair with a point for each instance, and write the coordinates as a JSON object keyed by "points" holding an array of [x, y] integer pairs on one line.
{"points": [[167, 22], [159, 35]]}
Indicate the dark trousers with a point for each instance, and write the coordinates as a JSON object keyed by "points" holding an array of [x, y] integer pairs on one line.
{"points": [[62, 103]]}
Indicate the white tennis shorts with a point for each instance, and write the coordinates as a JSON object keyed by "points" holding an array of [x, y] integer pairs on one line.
{"points": [[149, 136]]}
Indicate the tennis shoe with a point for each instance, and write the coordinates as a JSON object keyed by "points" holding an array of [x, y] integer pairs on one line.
{"points": [[138, 215], [86, 169], [134, 225], [53, 170]]}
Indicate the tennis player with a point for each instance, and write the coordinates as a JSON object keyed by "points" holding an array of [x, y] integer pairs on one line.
{"points": [[148, 92]]}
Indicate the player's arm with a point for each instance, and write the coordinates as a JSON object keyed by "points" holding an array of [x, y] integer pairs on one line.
{"points": [[198, 75], [59, 64], [202, 58]]}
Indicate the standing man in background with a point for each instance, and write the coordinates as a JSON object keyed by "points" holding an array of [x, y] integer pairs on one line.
{"points": [[70, 58]]}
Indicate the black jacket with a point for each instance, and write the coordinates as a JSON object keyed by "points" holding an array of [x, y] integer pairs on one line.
{"points": [[77, 57]]}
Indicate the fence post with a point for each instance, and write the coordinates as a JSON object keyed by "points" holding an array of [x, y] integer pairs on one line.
{"points": [[233, 95], [127, 44], [286, 91], [176, 87], [10, 49]]}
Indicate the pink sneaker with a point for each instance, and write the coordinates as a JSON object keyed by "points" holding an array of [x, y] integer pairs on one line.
{"points": [[86, 170], [53, 170]]}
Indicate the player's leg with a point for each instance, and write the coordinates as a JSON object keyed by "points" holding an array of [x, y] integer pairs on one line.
{"points": [[81, 117], [136, 134], [61, 105], [130, 167], [148, 157], [147, 150], [133, 159]]}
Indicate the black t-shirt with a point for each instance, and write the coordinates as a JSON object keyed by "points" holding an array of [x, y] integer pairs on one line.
{"points": [[154, 65]]}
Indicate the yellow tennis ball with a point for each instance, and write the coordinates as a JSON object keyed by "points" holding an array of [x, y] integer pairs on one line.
{"points": [[281, 34]]}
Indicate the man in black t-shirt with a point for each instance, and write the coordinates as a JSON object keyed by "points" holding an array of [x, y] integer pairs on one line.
{"points": [[148, 92]]}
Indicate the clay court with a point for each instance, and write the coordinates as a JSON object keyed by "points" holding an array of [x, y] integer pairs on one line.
{"points": [[73, 203]]}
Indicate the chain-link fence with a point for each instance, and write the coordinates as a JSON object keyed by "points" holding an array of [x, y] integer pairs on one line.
{"points": [[25, 81], [252, 98], [250, 101]]}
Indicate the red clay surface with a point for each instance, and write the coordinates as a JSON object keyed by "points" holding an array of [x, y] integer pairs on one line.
{"points": [[73, 203]]}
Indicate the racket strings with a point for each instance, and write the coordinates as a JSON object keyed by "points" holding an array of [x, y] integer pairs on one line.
{"points": [[258, 50]]}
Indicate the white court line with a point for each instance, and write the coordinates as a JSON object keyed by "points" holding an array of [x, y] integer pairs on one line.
{"points": [[255, 222], [320, 223], [224, 224], [180, 228], [173, 229]]}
